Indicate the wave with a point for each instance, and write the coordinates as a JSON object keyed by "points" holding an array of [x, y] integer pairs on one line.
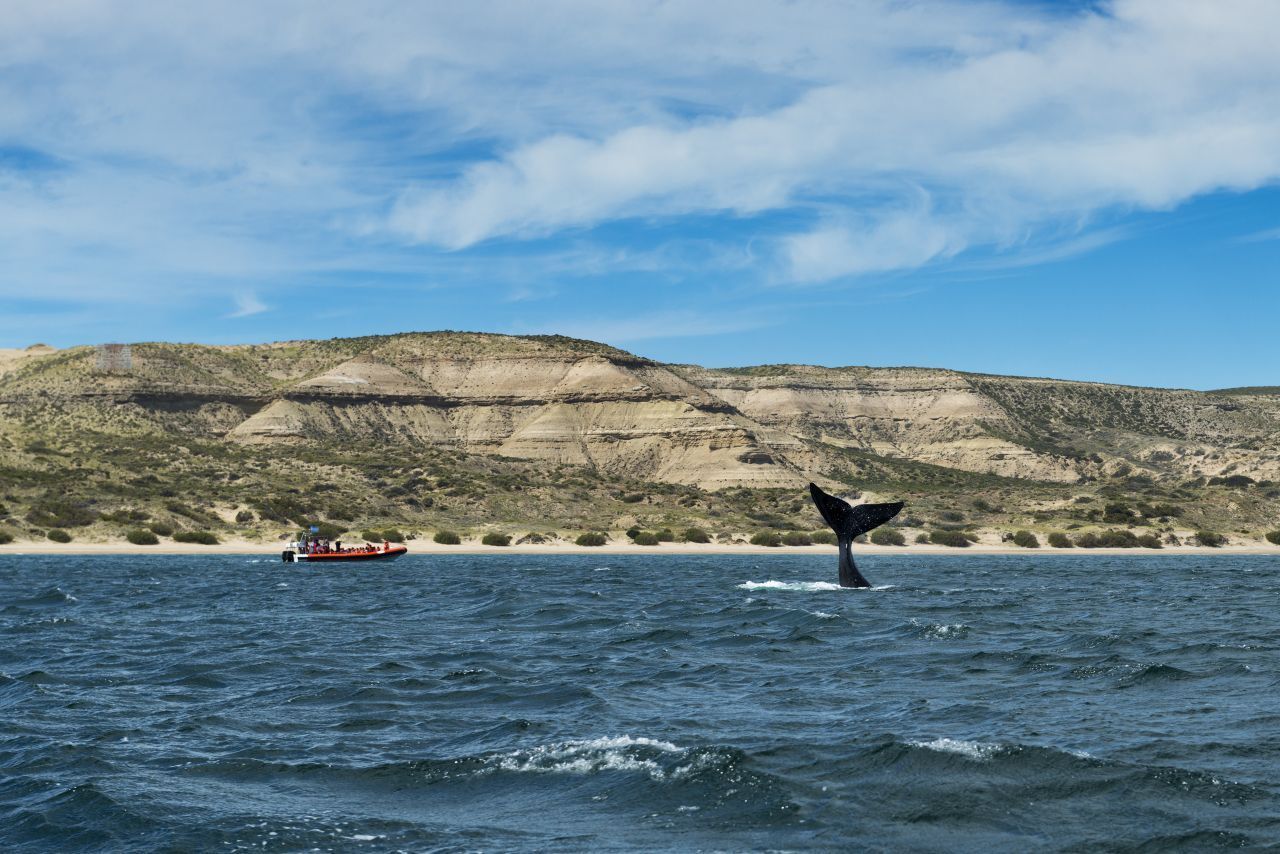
{"points": [[804, 586]]}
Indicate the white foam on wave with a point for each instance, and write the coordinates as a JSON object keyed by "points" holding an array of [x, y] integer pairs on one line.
{"points": [[977, 750], [614, 753], [803, 586]]}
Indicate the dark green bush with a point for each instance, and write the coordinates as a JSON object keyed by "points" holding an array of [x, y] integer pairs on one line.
{"points": [[1059, 540], [951, 516], [591, 538], [1273, 537], [245, 516], [204, 538], [666, 535], [371, 536], [163, 529], [124, 516], [766, 538], [824, 538], [60, 513], [1116, 513], [633, 498], [970, 536], [58, 535], [645, 538], [1211, 539], [922, 538], [493, 538], [141, 537], [1118, 539], [447, 538], [1234, 481], [5, 537], [1150, 541], [1088, 540], [796, 538], [1026, 539], [888, 537], [954, 539], [392, 535], [633, 532], [696, 535]]}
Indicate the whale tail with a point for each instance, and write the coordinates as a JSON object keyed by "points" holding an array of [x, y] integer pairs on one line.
{"points": [[849, 522]]}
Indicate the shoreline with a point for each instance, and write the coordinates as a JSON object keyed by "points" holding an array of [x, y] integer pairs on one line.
{"points": [[427, 547]]}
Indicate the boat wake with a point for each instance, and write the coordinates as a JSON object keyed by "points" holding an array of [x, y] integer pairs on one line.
{"points": [[805, 586]]}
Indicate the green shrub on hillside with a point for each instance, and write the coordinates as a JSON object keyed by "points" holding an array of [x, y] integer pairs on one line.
{"points": [[633, 532], [5, 537], [1273, 537], [447, 538], [766, 538], [244, 517], [1026, 539], [1059, 540], [58, 535], [1088, 540], [592, 538], [125, 516], [1150, 541], [888, 537], [696, 535], [923, 539], [204, 538], [796, 538], [493, 538], [1210, 539], [666, 535], [393, 535], [954, 539], [60, 513], [163, 529], [824, 538], [1118, 539], [645, 538], [141, 537]]}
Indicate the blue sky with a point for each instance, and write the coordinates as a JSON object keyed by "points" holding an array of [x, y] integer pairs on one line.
{"points": [[1079, 190]]}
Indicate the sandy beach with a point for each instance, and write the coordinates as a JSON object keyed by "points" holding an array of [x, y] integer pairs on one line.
{"points": [[273, 548]]}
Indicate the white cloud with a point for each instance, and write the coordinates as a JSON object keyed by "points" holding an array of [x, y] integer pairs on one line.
{"points": [[247, 305], [1144, 107], [206, 146]]}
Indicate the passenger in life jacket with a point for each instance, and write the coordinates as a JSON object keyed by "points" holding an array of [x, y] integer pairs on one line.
{"points": [[386, 546]]}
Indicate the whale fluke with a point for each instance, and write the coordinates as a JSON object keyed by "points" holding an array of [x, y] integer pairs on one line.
{"points": [[849, 522]]}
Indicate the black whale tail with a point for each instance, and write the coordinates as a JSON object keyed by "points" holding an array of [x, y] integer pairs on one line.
{"points": [[849, 522]]}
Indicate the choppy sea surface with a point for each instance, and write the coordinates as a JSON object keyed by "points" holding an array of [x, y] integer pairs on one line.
{"points": [[639, 702]]}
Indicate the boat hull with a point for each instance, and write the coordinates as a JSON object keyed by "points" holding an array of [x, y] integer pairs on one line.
{"points": [[290, 556]]}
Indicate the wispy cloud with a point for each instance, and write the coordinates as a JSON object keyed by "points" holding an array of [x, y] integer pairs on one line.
{"points": [[1263, 236], [247, 305]]}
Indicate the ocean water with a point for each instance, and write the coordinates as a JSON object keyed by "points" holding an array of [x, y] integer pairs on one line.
{"points": [[609, 702]]}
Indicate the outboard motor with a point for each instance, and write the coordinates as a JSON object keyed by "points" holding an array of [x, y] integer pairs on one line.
{"points": [[289, 556]]}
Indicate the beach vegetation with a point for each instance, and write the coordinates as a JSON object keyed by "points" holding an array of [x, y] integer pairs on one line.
{"points": [[1118, 538], [58, 535], [5, 537], [163, 529], [1210, 539], [1059, 540], [1088, 540], [1273, 537], [1026, 540], [645, 538], [766, 538], [954, 539], [493, 538], [204, 538], [666, 535], [244, 517], [591, 538], [824, 537], [796, 538], [1150, 541], [141, 537], [696, 535], [51, 512], [447, 538], [923, 538], [888, 537]]}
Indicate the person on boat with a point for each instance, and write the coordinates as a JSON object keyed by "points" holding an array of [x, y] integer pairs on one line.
{"points": [[386, 545]]}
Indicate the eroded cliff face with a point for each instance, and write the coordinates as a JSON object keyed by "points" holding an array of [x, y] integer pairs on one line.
{"points": [[565, 401]]}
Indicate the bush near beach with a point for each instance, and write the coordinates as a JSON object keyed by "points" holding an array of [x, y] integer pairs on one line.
{"points": [[954, 539], [1210, 539], [493, 538], [591, 538], [447, 538], [888, 537], [1273, 537], [142, 537], [1059, 540], [1026, 539], [204, 538], [766, 538]]}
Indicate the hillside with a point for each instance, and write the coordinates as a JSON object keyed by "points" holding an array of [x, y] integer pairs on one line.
{"points": [[461, 430]]}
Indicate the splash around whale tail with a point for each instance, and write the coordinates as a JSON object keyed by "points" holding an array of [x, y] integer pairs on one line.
{"points": [[849, 522]]}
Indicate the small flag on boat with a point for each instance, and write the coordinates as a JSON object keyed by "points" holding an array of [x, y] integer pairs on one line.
{"points": [[315, 529]]}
